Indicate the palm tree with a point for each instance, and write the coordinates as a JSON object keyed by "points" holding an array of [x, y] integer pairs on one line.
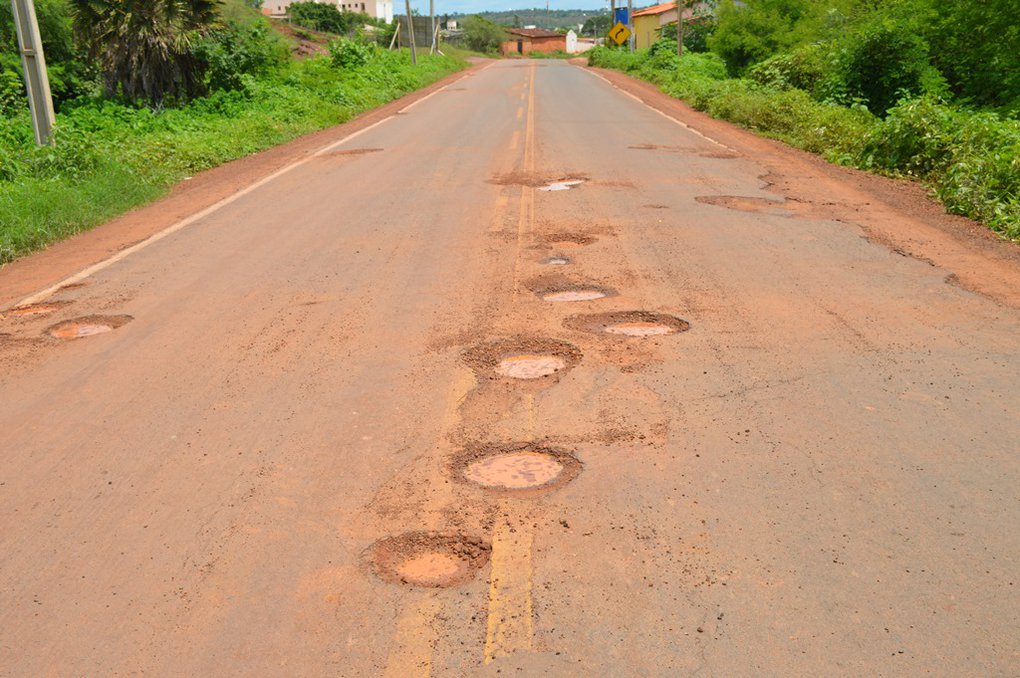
{"points": [[144, 47]]}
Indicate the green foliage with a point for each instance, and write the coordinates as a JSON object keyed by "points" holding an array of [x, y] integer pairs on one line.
{"points": [[324, 17], [482, 35], [347, 53], [235, 51], [803, 68], [751, 32], [110, 156], [70, 76], [596, 26], [144, 48], [885, 61]]}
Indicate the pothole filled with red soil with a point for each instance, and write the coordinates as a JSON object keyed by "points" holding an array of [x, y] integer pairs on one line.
{"points": [[87, 326], [567, 239], [517, 468], [428, 559], [522, 357], [33, 309], [639, 324]]}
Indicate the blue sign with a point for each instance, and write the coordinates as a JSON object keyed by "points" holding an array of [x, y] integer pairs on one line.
{"points": [[621, 16]]}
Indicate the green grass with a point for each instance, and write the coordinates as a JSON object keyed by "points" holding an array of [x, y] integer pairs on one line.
{"points": [[969, 159], [109, 157]]}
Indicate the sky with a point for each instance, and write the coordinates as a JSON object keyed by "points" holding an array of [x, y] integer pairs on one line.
{"points": [[466, 6]]}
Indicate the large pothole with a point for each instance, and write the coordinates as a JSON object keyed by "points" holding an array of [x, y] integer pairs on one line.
{"points": [[87, 326], [522, 357], [640, 324], [428, 559], [515, 467], [744, 203]]}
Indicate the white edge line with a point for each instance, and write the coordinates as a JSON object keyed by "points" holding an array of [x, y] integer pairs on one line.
{"points": [[665, 115], [187, 221]]}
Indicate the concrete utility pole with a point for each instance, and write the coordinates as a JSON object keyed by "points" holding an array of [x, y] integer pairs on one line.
{"points": [[432, 15], [680, 27], [37, 82], [410, 33]]}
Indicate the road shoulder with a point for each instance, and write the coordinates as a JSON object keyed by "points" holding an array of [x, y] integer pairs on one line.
{"points": [[896, 213]]}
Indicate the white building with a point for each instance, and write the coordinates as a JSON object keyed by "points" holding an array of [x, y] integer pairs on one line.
{"points": [[379, 9]]}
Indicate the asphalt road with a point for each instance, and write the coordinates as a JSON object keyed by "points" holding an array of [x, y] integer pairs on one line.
{"points": [[275, 464]]}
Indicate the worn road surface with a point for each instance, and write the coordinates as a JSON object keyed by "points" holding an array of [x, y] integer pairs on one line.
{"points": [[300, 447]]}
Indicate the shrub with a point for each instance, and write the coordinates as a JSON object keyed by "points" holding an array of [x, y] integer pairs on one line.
{"points": [[347, 53], [482, 35], [236, 51]]}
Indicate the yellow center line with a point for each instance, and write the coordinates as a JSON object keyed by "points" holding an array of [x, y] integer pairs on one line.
{"points": [[413, 640], [511, 622], [526, 215]]}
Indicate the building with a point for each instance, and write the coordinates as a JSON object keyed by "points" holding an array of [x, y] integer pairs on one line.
{"points": [[378, 9], [649, 22], [527, 40]]}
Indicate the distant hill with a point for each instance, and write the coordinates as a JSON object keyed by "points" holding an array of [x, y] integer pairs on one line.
{"points": [[551, 19]]}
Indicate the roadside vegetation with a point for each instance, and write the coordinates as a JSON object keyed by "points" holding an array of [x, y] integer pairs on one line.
{"points": [[129, 127], [928, 89]]}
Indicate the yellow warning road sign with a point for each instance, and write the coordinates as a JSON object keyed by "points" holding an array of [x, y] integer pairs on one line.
{"points": [[619, 33]]}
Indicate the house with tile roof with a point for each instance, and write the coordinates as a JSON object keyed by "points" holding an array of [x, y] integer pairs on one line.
{"points": [[649, 22], [526, 40]]}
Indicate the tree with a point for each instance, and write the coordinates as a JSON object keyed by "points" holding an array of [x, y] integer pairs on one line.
{"points": [[482, 35], [144, 48], [596, 26]]}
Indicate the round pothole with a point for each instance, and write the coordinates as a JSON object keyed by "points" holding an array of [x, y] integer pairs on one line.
{"points": [[522, 357], [87, 326], [34, 309], [639, 324], [428, 559], [516, 467]]}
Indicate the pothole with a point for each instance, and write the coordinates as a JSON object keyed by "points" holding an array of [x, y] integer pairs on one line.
{"points": [[33, 309], [628, 323], [567, 239], [428, 559], [87, 326], [522, 357], [563, 185], [556, 261], [743, 203], [516, 467]]}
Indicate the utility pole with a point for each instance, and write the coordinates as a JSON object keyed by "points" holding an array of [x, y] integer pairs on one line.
{"points": [[432, 23], [410, 33], [37, 82], [612, 17], [680, 27], [630, 24]]}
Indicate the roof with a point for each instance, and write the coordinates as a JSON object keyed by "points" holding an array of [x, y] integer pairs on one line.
{"points": [[534, 33], [656, 9]]}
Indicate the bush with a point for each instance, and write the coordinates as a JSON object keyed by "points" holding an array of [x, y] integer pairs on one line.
{"points": [[884, 62], [347, 53], [236, 51], [482, 35], [803, 68]]}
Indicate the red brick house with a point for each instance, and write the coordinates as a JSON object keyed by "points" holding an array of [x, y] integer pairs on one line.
{"points": [[526, 40]]}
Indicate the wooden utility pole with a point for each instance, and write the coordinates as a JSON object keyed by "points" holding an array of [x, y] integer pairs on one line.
{"points": [[630, 24], [680, 28], [410, 33], [612, 16], [37, 82]]}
